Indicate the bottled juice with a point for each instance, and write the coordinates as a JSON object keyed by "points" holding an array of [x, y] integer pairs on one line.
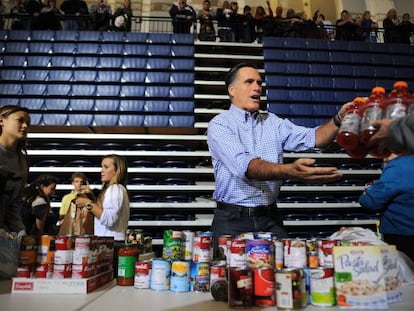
{"points": [[348, 135], [372, 110], [397, 101], [359, 152]]}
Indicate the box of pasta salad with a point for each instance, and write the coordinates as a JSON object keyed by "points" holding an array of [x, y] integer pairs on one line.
{"points": [[366, 277]]}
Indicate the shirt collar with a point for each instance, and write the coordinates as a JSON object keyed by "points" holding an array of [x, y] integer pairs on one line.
{"points": [[242, 115]]}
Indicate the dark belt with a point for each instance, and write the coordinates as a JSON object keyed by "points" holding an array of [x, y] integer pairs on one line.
{"points": [[262, 210]]}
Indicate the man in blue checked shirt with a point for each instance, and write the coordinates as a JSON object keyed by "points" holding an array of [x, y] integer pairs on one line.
{"points": [[247, 154]]}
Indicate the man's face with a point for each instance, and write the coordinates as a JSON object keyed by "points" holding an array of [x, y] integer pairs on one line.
{"points": [[77, 184], [246, 89]]}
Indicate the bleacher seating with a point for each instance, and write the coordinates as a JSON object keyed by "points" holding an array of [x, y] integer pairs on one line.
{"points": [[93, 70]]}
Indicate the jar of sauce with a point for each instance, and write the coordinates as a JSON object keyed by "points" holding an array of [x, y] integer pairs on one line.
{"points": [[127, 256]]}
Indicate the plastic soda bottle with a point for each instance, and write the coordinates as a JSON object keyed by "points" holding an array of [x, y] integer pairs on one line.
{"points": [[397, 101], [348, 135], [372, 110]]}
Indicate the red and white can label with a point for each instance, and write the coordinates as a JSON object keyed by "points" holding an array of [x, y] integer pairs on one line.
{"points": [[325, 252], [64, 243], [237, 254], [202, 248], [142, 274]]}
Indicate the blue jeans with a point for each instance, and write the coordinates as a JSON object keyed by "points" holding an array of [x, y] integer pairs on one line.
{"points": [[229, 222]]}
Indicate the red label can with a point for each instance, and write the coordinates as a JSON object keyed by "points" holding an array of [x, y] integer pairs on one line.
{"points": [[44, 271], [142, 274], [264, 293], [62, 271], [237, 254], [202, 248], [223, 247], [240, 288], [217, 272], [65, 243], [325, 252]]}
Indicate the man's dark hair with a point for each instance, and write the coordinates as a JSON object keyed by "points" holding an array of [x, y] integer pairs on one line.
{"points": [[231, 74]]}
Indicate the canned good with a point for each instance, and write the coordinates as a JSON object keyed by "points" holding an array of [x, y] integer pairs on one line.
{"points": [[180, 276], [82, 253], [46, 249], [240, 288], [322, 289], [290, 289], [188, 237], [200, 277], [62, 271], [260, 254], [295, 253], [238, 254], [223, 247], [160, 274], [64, 242], [44, 271], [202, 248], [313, 259], [142, 274], [264, 293], [172, 245], [217, 272], [325, 252], [279, 254]]}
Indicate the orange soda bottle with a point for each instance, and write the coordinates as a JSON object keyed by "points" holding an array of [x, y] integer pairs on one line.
{"points": [[348, 135]]}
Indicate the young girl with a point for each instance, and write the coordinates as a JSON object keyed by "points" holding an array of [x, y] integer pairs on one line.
{"points": [[37, 205], [14, 122]]}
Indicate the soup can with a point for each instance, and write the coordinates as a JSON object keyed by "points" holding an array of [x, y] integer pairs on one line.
{"points": [[291, 291], [180, 276], [240, 288], [237, 254], [142, 274], [260, 254], [264, 293], [200, 277], [322, 289], [202, 248]]}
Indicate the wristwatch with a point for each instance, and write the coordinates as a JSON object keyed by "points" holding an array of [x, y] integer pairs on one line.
{"points": [[89, 206]]}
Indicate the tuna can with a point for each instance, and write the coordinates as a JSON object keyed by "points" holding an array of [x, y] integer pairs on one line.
{"points": [[325, 252], [202, 248], [180, 276], [240, 288], [322, 289], [237, 254], [264, 293], [291, 289], [46, 249], [188, 244], [142, 274], [172, 245], [260, 254], [200, 277], [160, 275]]}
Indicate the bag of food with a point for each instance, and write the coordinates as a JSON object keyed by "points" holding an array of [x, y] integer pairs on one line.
{"points": [[77, 221]]}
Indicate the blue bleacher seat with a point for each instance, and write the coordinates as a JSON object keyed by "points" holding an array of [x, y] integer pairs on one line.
{"points": [[363, 71], [112, 36], [342, 70], [49, 163], [324, 109], [158, 50], [17, 47], [159, 37], [275, 67], [323, 96], [181, 106], [156, 120], [299, 68], [12, 74], [62, 61], [320, 69], [19, 35], [317, 44], [34, 89], [157, 91], [40, 47], [61, 75], [143, 147], [67, 35], [174, 147], [131, 120], [385, 72], [274, 54], [36, 119], [10, 89], [133, 76], [156, 106], [55, 119], [300, 109], [277, 94], [81, 104], [59, 89], [344, 83], [10, 101], [43, 35], [113, 62], [182, 91], [297, 55], [87, 61], [157, 77], [182, 77], [178, 50], [112, 48], [108, 90], [105, 120], [182, 64], [64, 48], [56, 104], [107, 105], [112, 146], [175, 181], [300, 95], [299, 81], [181, 121], [344, 96], [340, 57], [14, 61], [365, 84], [109, 76], [135, 49], [175, 163], [279, 108], [83, 89], [89, 35], [383, 59], [321, 82], [131, 105], [32, 103], [144, 198], [158, 63], [132, 91], [77, 119], [84, 75], [319, 55], [134, 63], [80, 163], [179, 38], [360, 58], [143, 163], [82, 145], [136, 37], [88, 48]]}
